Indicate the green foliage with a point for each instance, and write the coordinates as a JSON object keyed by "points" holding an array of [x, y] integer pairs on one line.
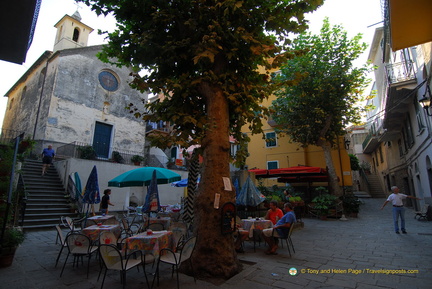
{"points": [[351, 203], [355, 163], [320, 89], [137, 159], [87, 152], [323, 203], [295, 199], [12, 238], [321, 190], [117, 157], [197, 50]]}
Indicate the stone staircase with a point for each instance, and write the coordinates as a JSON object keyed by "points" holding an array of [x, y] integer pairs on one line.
{"points": [[375, 189], [45, 196]]}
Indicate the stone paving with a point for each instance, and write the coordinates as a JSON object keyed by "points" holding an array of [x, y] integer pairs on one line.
{"points": [[362, 252]]}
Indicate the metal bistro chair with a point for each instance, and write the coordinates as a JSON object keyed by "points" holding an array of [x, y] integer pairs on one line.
{"points": [[79, 245], [287, 239], [113, 259], [63, 244], [170, 257]]}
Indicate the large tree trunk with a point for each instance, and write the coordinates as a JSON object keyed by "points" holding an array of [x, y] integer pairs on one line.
{"points": [[334, 184], [214, 253]]}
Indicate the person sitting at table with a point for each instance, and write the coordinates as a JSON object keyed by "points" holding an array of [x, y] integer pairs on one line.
{"points": [[105, 202], [281, 229], [274, 214]]}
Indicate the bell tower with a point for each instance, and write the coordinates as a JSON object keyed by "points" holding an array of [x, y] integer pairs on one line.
{"points": [[71, 32]]}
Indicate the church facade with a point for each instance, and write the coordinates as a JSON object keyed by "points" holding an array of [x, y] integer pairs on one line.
{"points": [[69, 96]]}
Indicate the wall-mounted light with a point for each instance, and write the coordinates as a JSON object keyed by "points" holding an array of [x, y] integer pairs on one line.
{"points": [[425, 102], [347, 144]]}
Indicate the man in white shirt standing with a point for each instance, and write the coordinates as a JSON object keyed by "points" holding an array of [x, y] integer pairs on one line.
{"points": [[398, 208]]}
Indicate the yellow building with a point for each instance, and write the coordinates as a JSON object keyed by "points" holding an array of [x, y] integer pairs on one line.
{"points": [[277, 152]]}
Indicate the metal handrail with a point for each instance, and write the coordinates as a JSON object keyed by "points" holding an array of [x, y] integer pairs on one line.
{"points": [[71, 150]]}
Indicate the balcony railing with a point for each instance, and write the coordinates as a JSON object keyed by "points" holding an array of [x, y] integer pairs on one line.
{"points": [[400, 72]]}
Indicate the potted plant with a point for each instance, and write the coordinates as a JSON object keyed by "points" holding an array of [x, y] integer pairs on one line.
{"points": [[117, 157], [351, 205], [12, 238], [366, 167], [137, 159], [323, 203], [87, 152]]}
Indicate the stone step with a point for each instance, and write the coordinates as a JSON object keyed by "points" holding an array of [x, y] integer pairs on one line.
{"points": [[362, 194], [49, 216]]}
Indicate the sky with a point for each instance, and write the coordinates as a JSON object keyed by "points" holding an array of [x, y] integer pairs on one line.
{"points": [[355, 16]]}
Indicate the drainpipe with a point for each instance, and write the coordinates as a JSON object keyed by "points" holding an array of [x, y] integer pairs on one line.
{"points": [[40, 99]]}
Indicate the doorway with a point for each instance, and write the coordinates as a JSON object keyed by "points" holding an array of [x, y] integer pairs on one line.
{"points": [[102, 139]]}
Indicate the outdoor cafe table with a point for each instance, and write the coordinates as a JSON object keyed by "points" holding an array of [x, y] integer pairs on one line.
{"points": [[151, 244], [94, 231], [251, 224], [99, 219], [165, 221]]}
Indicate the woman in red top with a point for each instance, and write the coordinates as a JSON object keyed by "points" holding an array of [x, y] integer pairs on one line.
{"points": [[274, 214]]}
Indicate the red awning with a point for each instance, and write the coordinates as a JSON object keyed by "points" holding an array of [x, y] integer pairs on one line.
{"points": [[303, 179], [296, 170], [259, 172]]}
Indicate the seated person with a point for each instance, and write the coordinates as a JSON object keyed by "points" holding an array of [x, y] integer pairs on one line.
{"points": [[274, 214], [281, 229]]}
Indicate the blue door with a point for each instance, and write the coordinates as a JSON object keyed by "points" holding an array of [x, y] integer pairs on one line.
{"points": [[102, 139]]}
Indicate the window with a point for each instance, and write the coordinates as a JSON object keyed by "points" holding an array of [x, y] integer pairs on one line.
{"points": [[401, 151], [272, 165], [419, 116], [270, 139], [75, 35], [381, 155], [409, 132]]}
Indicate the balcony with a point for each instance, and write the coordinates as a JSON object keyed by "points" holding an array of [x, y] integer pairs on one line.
{"points": [[401, 85], [370, 143], [400, 72], [157, 128]]}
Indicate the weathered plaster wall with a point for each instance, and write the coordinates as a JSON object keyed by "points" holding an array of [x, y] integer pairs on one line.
{"points": [[107, 171]]}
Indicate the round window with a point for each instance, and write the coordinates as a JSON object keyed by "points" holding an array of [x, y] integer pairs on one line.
{"points": [[108, 81]]}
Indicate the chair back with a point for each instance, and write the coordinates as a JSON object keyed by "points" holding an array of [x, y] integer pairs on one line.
{"points": [[67, 222], [291, 229], [145, 220], [188, 249], [111, 256], [425, 209], [179, 230], [108, 238], [125, 223], [156, 227], [60, 235], [78, 243]]}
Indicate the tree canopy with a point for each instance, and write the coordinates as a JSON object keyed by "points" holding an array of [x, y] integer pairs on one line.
{"points": [[320, 88], [187, 44]]}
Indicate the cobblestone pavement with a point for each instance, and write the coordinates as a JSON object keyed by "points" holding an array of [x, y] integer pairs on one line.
{"points": [[362, 252]]}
